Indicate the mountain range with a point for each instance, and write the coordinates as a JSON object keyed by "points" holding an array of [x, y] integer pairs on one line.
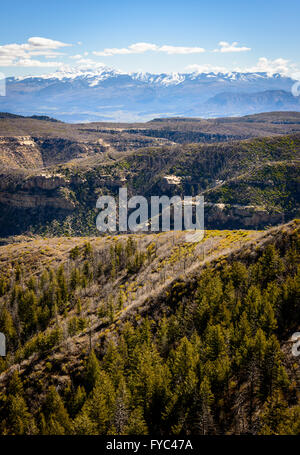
{"points": [[110, 95]]}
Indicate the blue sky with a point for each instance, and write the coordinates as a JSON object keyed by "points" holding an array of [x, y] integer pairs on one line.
{"points": [[157, 36]]}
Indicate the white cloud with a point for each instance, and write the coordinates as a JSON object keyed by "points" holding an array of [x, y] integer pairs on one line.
{"points": [[206, 68], [181, 50], [278, 65], [27, 62], [233, 47], [112, 51], [137, 48], [76, 57], [140, 48], [20, 54], [88, 63], [79, 56], [45, 43]]}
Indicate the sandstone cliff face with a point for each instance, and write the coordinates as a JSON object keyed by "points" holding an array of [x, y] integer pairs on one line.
{"points": [[42, 190], [25, 200], [239, 216], [59, 150], [26, 152], [45, 181], [20, 152]]}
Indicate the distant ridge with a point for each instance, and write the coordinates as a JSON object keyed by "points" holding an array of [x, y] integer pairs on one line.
{"points": [[35, 117]]}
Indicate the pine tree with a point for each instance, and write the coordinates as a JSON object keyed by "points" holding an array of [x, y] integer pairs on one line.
{"points": [[136, 423], [206, 400], [83, 425], [19, 421], [56, 416], [78, 400], [92, 371], [99, 406], [274, 414], [15, 386]]}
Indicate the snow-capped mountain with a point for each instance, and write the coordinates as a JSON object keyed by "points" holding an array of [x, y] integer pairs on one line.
{"points": [[109, 94]]}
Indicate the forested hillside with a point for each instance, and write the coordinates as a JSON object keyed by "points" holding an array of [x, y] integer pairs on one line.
{"points": [[147, 334]]}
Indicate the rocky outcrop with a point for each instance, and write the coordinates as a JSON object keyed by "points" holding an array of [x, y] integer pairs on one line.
{"points": [[46, 182], [42, 190], [25, 200], [26, 152], [20, 152], [170, 181], [60, 150], [238, 216]]}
